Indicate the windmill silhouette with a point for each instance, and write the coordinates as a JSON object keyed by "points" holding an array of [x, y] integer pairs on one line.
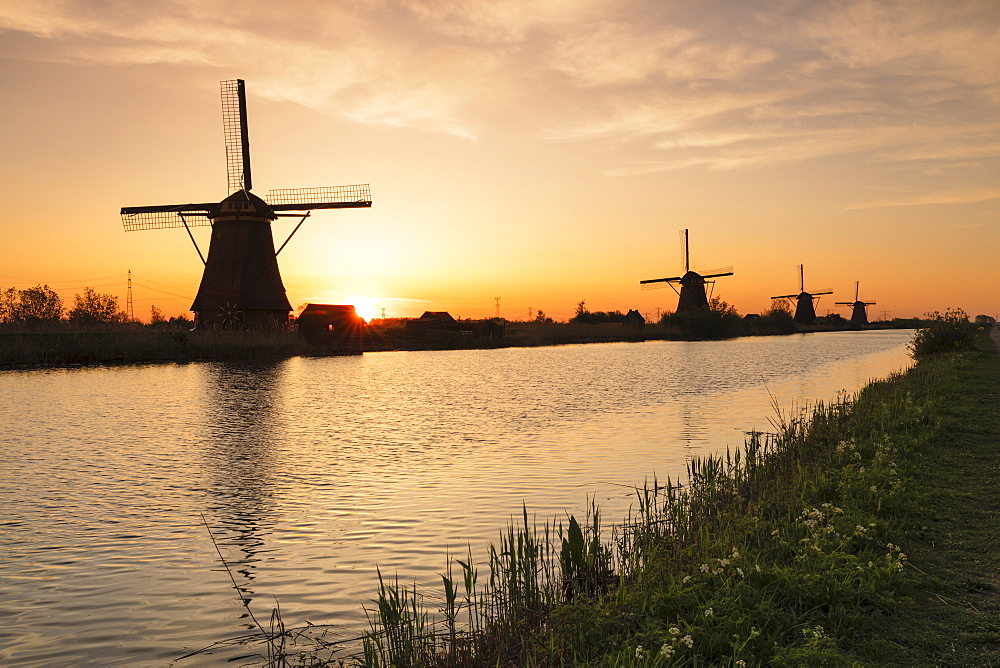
{"points": [[691, 296], [241, 284], [805, 312], [859, 314]]}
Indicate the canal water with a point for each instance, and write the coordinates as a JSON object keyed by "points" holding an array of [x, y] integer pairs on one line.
{"points": [[310, 472]]}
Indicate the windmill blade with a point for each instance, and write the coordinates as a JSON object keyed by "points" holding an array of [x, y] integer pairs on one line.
{"points": [[714, 273], [785, 296], [169, 215], [332, 197], [844, 303], [685, 252], [651, 281], [234, 126], [814, 293], [657, 286]]}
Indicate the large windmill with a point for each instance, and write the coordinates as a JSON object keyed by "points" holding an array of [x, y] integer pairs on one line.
{"points": [[805, 312], [691, 296], [859, 313], [241, 285]]}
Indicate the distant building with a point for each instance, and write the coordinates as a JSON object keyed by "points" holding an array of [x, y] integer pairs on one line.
{"points": [[634, 319], [441, 326], [432, 323], [336, 327]]}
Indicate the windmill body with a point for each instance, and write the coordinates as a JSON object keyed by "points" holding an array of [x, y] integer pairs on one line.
{"points": [[805, 308], [692, 295], [859, 309], [241, 284]]}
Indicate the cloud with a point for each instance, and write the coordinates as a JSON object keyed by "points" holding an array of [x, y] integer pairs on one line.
{"points": [[965, 196], [657, 85]]}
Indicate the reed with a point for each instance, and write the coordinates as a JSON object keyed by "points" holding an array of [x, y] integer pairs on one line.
{"points": [[70, 345]]}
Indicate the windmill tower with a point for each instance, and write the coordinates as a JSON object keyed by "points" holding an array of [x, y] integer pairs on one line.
{"points": [[805, 311], [241, 285], [859, 313], [691, 296]]}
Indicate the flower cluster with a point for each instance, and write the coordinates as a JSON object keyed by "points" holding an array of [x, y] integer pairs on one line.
{"points": [[675, 642]]}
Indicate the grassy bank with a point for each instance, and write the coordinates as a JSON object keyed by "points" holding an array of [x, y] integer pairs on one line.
{"points": [[862, 533]]}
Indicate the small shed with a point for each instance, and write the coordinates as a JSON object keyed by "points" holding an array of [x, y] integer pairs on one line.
{"points": [[633, 319], [337, 327], [432, 323]]}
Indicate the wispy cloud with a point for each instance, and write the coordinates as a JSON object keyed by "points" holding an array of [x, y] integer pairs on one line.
{"points": [[967, 196], [670, 85]]}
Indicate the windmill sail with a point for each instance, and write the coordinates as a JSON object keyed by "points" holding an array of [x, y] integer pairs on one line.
{"points": [[330, 197], [234, 125], [170, 215]]}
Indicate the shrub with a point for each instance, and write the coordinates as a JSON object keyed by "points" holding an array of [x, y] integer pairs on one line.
{"points": [[943, 332]]}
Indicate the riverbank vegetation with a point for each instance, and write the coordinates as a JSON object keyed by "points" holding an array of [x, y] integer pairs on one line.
{"points": [[863, 532], [36, 329]]}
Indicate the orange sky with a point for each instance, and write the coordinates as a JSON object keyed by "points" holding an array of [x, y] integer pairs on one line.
{"points": [[543, 153]]}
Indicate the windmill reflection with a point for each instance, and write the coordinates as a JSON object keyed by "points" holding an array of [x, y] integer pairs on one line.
{"points": [[242, 412]]}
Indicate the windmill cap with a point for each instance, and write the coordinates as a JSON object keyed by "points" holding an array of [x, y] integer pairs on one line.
{"points": [[691, 277], [244, 204]]}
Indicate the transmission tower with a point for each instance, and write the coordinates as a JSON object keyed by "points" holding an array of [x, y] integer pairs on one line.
{"points": [[497, 299], [128, 298]]}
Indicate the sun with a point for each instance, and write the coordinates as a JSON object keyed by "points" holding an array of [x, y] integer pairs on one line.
{"points": [[366, 307]]}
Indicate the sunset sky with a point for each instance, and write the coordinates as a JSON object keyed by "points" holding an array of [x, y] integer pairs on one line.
{"points": [[540, 152]]}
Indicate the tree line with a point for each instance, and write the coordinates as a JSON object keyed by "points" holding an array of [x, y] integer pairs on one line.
{"points": [[41, 305]]}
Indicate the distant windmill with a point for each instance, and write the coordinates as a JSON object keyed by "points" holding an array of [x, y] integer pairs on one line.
{"points": [[691, 296], [859, 314], [241, 285], [805, 313]]}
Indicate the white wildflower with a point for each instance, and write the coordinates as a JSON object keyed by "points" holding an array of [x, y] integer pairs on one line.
{"points": [[740, 571], [666, 651], [674, 631], [709, 612], [640, 652], [688, 640], [687, 578]]}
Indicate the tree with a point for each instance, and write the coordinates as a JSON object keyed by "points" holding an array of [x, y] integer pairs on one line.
{"points": [[93, 306], [156, 316], [31, 306], [725, 309], [8, 298], [541, 317]]}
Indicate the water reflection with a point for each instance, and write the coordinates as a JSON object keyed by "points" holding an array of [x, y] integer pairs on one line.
{"points": [[243, 419]]}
